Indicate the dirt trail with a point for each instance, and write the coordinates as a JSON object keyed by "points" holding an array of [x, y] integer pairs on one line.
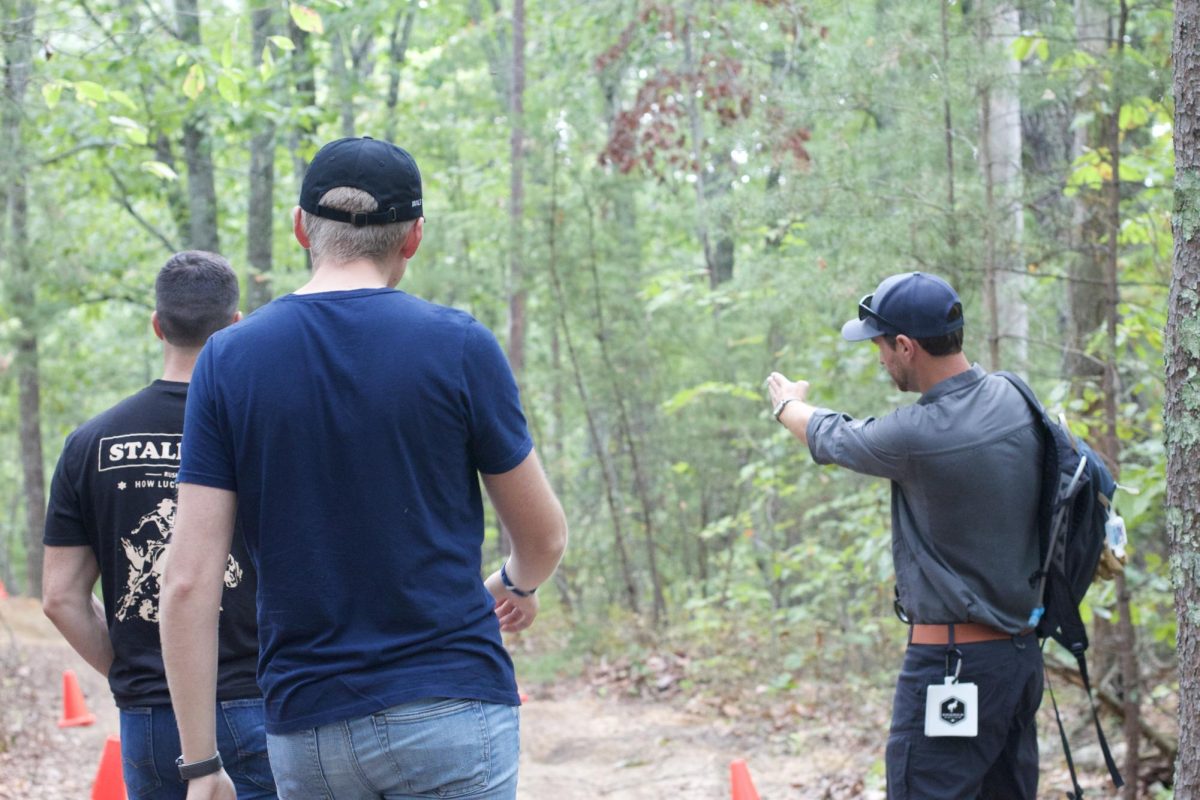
{"points": [[575, 744]]}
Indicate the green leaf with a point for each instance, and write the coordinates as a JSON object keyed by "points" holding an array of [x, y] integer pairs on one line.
{"points": [[51, 92], [1043, 49], [161, 170], [193, 84], [88, 90], [126, 122], [1021, 47], [266, 67], [306, 19], [229, 89], [227, 54], [282, 42], [123, 98]]}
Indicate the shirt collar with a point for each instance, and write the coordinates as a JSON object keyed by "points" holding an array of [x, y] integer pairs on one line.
{"points": [[953, 384]]}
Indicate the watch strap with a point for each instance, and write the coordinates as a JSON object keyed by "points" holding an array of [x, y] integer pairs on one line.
{"points": [[782, 405], [508, 584], [198, 769]]}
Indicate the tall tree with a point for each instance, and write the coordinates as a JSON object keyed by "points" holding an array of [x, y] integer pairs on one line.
{"points": [[261, 206], [197, 148], [1008, 317], [516, 196], [18, 64], [1182, 408]]}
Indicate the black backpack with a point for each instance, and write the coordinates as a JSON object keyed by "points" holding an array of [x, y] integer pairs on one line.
{"points": [[1076, 499]]}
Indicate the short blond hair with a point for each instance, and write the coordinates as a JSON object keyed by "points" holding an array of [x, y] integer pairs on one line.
{"points": [[339, 242]]}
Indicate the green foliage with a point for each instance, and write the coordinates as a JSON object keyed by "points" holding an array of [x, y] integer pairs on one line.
{"points": [[815, 155]]}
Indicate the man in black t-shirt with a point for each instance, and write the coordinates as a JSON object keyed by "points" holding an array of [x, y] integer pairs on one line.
{"points": [[111, 513]]}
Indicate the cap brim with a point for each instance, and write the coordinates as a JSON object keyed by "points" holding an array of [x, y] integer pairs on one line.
{"points": [[860, 330]]}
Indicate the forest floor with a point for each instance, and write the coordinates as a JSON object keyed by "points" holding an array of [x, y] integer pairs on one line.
{"points": [[581, 738]]}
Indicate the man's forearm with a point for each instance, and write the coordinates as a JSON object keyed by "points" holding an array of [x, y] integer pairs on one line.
{"points": [[189, 645], [795, 417], [81, 622], [193, 583]]}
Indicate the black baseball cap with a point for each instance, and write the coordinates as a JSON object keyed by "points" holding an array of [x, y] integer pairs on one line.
{"points": [[381, 169], [915, 304]]}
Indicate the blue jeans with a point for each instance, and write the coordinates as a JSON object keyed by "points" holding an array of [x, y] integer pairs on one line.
{"points": [[150, 745], [430, 748]]}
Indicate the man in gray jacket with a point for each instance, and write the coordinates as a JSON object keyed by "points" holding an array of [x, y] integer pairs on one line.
{"points": [[964, 466]]}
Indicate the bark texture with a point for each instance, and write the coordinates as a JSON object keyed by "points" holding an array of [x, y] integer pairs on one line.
{"points": [[18, 53], [1182, 408], [260, 214]]}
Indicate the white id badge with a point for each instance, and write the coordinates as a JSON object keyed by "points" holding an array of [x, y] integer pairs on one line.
{"points": [[952, 709]]}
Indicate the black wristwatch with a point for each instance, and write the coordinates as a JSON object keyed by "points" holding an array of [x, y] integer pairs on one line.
{"points": [[508, 584], [198, 769]]}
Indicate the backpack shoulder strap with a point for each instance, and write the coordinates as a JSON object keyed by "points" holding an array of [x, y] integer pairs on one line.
{"points": [[1023, 387]]}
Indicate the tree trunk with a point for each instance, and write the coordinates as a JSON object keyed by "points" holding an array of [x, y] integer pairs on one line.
{"points": [[640, 484], [197, 151], [516, 198], [304, 83], [597, 441], [339, 48], [1182, 407], [18, 57], [397, 53], [714, 239], [1001, 139], [260, 214], [1126, 634]]}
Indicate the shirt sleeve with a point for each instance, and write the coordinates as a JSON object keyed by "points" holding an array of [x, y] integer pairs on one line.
{"points": [[65, 525], [207, 452], [869, 446], [499, 438]]}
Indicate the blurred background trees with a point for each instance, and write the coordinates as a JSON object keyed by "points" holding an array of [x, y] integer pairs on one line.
{"points": [[653, 204]]}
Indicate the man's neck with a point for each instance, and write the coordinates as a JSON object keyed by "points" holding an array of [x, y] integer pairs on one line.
{"points": [[178, 363], [937, 369], [358, 274]]}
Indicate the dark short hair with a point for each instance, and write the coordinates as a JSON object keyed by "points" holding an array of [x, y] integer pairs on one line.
{"points": [[946, 345], [195, 295]]}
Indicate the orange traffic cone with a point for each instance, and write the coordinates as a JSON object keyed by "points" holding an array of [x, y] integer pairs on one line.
{"points": [[75, 711], [740, 783], [109, 783]]}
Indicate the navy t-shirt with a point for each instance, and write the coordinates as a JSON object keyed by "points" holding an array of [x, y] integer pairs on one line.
{"points": [[353, 426], [114, 491]]}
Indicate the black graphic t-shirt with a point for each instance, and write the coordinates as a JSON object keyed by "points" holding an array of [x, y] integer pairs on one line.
{"points": [[114, 490]]}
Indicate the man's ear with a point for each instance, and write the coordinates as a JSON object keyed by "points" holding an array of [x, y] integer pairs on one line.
{"points": [[413, 241], [298, 228], [154, 324], [907, 346]]}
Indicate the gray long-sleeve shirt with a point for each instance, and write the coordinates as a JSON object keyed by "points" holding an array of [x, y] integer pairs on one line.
{"points": [[964, 462]]}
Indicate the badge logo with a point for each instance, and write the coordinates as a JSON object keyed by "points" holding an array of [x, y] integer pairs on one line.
{"points": [[952, 711]]}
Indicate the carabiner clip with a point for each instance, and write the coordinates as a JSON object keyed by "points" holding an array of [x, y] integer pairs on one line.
{"points": [[950, 653]]}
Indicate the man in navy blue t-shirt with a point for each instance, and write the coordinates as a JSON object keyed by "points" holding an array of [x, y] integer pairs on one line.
{"points": [[347, 426]]}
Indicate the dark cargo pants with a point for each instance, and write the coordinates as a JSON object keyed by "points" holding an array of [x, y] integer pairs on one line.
{"points": [[1002, 761]]}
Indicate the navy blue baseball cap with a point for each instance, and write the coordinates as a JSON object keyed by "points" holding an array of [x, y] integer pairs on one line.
{"points": [[916, 304], [381, 169]]}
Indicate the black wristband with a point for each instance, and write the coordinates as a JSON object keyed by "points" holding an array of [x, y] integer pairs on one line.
{"points": [[198, 769], [508, 584]]}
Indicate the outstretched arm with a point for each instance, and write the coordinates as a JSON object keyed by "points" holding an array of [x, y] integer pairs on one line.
{"points": [[537, 526], [796, 411], [193, 582], [68, 575]]}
